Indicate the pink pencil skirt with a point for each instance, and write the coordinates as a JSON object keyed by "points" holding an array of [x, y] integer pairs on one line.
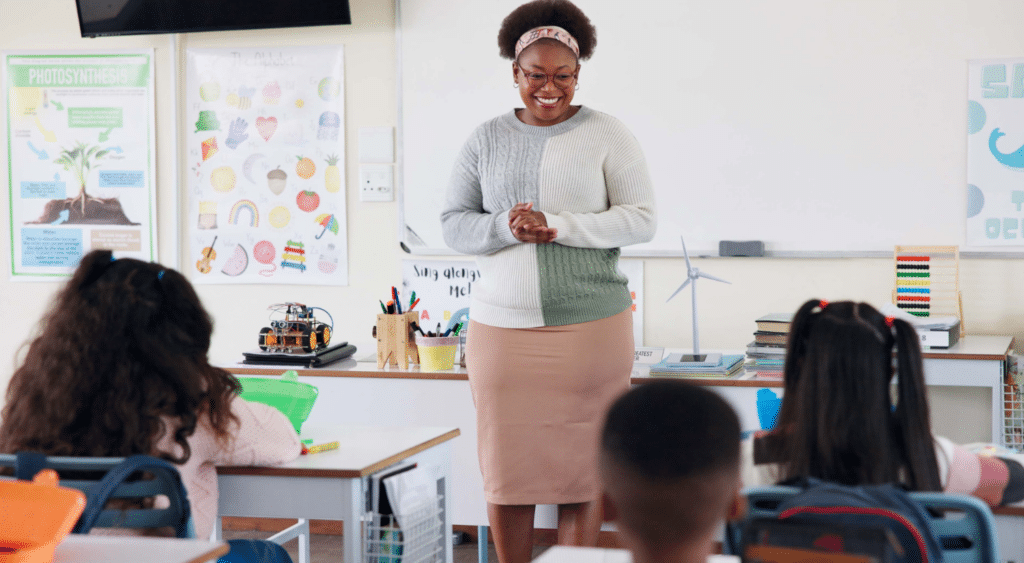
{"points": [[541, 395]]}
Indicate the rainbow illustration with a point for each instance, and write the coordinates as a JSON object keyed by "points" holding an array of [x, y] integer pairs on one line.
{"points": [[244, 204]]}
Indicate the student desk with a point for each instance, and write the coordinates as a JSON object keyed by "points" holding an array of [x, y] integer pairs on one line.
{"points": [[335, 485], [118, 549]]}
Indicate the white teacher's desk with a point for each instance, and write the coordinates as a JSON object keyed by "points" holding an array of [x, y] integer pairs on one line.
{"points": [[357, 392], [975, 361], [337, 484]]}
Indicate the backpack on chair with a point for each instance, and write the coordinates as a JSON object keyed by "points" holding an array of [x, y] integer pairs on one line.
{"points": [[880, 521]]}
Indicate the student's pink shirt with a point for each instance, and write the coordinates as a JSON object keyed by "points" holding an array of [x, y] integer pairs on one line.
{"points": [[264, 436]]}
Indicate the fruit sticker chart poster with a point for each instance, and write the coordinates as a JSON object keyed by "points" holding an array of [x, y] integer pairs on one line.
{"points": [[266, 146], [80, 144], [995, 153]]}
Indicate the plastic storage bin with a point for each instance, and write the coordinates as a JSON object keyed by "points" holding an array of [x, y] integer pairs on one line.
{"points": [[288, 395]]}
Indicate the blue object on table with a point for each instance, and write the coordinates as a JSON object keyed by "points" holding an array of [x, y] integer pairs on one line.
{"points": [[767, 408], [255, 551]]}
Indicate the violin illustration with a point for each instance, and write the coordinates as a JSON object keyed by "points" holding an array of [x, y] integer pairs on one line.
{"points": [[209, 255]]}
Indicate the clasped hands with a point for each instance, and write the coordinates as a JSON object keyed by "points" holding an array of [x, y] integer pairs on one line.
{"points": [[528, 225]]}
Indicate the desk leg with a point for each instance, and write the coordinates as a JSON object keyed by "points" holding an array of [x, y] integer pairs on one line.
{"points": [[481, 544], [998, 407], [300, 531], [352, 535], [216, 534]]}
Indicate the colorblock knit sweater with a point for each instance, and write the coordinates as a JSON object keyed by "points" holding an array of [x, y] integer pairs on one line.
{"points": [[589, 178]]}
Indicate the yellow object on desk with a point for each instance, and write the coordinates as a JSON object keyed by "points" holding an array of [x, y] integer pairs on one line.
{"points": [[437, 353], [320, 448]]}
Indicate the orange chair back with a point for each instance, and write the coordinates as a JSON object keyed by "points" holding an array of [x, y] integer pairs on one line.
{"points": [[35, 516]]}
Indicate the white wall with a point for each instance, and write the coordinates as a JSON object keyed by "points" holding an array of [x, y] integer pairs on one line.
{"points": [[990, 286]]}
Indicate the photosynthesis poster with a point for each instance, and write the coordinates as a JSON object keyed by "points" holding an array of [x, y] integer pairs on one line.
{"points": [[80, 144], [266, 173]]}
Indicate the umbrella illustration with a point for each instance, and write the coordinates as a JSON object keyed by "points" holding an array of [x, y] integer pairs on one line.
{"points": [[328, 221]]}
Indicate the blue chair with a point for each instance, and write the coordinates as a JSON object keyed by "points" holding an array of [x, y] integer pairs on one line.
{"points": [[105, 478], [963, 524]]}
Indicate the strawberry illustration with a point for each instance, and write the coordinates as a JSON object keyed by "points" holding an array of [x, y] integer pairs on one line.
{"points": [[307, 201]]}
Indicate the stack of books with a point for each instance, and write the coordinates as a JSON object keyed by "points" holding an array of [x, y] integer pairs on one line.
{"points": [[767, 353], [730, 364]]}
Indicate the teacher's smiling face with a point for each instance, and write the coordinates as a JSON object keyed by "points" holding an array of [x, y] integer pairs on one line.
{"points": [[546, 73]]}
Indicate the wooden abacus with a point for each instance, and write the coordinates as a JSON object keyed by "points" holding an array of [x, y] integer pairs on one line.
{"points": [[926, 281]]}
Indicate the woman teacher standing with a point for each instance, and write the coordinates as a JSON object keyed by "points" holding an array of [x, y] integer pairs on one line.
{"points": [[544, 196]]}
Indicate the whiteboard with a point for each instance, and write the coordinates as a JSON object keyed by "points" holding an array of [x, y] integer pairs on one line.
{"points": [[833, 128]]}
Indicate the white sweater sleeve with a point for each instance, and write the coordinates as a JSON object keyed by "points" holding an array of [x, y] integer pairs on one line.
{"points": [[627, 214], [630, 219]]}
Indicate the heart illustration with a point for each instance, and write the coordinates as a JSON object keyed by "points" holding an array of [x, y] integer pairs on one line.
{"points": [[266, 126]]}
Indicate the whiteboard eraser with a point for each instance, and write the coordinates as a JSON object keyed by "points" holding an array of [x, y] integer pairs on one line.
{"points": [[740, 248]]}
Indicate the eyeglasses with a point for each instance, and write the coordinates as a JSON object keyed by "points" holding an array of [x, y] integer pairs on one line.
{"points": [[562, 80]]}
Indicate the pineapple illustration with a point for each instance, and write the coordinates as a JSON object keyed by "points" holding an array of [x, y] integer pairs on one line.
{"points": [[332, 176]]}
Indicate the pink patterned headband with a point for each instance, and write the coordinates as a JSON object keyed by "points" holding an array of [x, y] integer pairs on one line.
{"points": [[547, 32]]}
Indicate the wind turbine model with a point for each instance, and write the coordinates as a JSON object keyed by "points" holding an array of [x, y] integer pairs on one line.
{"points": [[692, 274]]}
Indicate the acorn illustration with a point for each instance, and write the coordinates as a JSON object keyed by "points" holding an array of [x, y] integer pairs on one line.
{"points": [[276, 180]]}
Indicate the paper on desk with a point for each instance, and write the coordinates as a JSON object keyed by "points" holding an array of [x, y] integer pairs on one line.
{"points": [[410, 492], [891, 310]]}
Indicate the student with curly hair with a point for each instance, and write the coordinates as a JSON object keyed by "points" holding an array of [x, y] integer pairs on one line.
{"points": [[119, 367], [544, 196], [840, 422]]}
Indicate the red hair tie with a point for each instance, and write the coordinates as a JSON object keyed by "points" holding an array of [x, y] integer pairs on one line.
{"points": [[889, 320], [822, 304]]}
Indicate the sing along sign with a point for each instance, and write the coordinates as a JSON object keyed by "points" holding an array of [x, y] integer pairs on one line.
{"points": [[444, 287]]}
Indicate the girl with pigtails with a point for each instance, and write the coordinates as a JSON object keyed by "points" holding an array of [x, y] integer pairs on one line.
{"points": [[841, 422]]}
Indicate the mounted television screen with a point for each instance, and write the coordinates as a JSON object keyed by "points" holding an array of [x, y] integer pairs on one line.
{"points": [[134, 17]]}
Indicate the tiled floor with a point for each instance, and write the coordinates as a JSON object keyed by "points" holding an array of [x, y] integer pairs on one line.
{"points": [[327, 548]]}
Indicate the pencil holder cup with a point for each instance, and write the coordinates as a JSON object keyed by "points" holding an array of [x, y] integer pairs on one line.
{"points": [[395, 339], [437, 353], [767, 408]]}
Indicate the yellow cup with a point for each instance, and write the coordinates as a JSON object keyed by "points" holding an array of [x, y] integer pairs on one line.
{"points": [[437, 353]]}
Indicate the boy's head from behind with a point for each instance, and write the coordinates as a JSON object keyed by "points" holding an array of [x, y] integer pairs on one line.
{"points": [[670, 465]]}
